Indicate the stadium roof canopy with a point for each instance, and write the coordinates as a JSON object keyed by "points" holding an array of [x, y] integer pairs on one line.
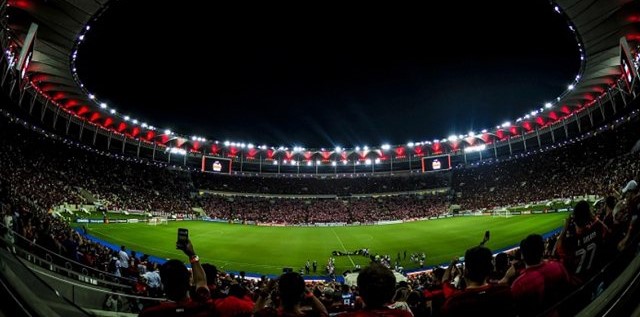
{"points": [[598, 24]]}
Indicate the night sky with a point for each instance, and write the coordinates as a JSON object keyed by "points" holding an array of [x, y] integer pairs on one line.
{"points": [[321, 74]]}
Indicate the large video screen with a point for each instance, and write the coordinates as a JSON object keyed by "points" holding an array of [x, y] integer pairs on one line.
{"points": [[436, 163], [218, 165]]}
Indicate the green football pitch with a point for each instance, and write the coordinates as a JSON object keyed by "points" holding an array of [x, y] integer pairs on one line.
{"points": [[266, 250]]}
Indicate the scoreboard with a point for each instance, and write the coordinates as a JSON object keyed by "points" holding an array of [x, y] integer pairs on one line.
{"points": [[436, 163], [218, 165]]}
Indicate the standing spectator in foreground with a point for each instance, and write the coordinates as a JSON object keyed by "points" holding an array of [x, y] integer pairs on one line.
{"points": [[479, 298], [542, 283], [293, 295], [377, 287], [580, 243], [175, 279], [124, 259]]}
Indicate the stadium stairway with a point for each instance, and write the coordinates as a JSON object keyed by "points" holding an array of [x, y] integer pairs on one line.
{"points": [[89, 198], [42, 293]]}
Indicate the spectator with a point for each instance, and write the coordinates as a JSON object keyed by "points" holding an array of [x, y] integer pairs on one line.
{"points": [[292, 296], [542, 283], [479, 298], [376, 284], [175, 279]]}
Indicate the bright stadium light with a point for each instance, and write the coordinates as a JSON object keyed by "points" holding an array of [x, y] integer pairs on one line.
{"points": [[386, 146], [484, 131], [366, 148], [92, 96], [135, 121], [144, 125], [103, 105], [452, 138], [309, 163], [126, 118], [410, 144], [472, 134], [318, 162], [533, 113], [250, 146], [377, 161], [548, 105], [338, 149], [506, 124], [113, 111], [344, 162], [570, 87], [357, 148], [275, 162], [167, 131], [367, 161], [193, 138], [226, 143], [334, 163]]}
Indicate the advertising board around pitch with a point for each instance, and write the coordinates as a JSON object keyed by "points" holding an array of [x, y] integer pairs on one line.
{"points": [[218, 165], [436, 163]]}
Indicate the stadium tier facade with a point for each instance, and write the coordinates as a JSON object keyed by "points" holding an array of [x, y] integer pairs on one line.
{"points": [[40, 73]]}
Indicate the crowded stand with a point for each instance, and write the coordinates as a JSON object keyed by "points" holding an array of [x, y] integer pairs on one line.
{"points": [[595, 164], [309, 211], [320, 186]]}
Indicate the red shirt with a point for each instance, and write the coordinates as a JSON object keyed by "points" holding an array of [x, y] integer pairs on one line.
{"points": [[488, 300], [231, 306], [539, 287]]}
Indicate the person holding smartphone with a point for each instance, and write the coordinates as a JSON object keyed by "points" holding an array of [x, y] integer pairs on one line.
{"points": [[175, 279]]}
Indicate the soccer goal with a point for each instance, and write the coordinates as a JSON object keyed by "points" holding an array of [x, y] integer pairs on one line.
{"points": [[154, 221], [505, 213]]}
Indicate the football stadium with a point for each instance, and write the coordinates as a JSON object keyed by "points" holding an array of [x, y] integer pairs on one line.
{"points": [[107, 214]]}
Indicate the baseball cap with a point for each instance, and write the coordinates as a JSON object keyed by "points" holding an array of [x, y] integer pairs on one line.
{"points": [[631, 185]]}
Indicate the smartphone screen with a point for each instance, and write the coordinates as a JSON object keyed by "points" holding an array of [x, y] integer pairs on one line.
{"points": [[183, 237]]}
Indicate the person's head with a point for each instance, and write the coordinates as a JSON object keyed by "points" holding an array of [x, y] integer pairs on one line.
{"points": [[175, 279], [502, 262], [478, 264], [122, 248], [237, 290], [211, 271], [532, 248], [377, 285], [582, 214], [291, 288]]}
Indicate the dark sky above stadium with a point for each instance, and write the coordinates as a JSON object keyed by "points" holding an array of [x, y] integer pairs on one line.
{"points": [[320, 74]]}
